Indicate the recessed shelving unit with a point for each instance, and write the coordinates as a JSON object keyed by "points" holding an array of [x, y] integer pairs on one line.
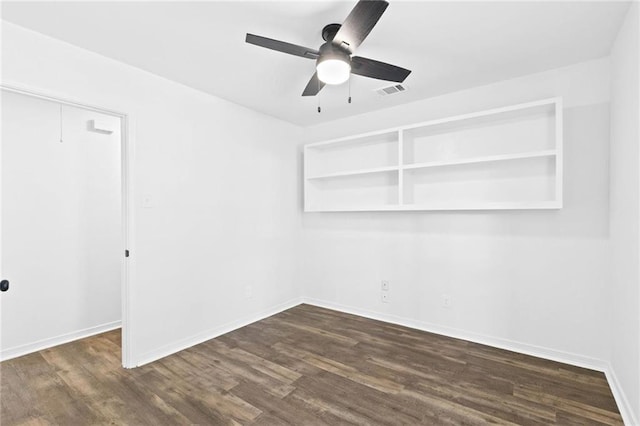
{"points": [[504, 158]]}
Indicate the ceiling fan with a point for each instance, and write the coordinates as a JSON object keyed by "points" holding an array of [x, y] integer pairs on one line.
{"points": [[333, 59]]}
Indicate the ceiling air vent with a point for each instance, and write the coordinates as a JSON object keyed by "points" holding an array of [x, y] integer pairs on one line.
{"points": [[396, 88]]}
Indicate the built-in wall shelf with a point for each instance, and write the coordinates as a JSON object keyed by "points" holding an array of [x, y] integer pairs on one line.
{"points": [[354, 172], [488, 158], [503, 158]]}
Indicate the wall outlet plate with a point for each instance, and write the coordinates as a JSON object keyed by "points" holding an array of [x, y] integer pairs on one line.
{"points": [[447, 302], [385, 285], [385, 297]]}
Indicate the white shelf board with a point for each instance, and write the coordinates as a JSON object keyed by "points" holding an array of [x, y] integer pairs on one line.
{"points": [[444, 207], [391, 133], [355, 172], [485, 206], [390, 207], [490, 112], [483, 159]]}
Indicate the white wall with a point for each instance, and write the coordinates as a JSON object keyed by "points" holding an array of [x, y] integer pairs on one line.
{"points": [[535, 281], [221, 180], [61, 238], [625, 210]]}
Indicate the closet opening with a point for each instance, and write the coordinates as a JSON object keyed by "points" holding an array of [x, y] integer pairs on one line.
{"points": [[65, 246]]}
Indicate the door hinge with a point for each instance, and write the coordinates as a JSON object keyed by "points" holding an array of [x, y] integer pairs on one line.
{"points": [[126, 253]]}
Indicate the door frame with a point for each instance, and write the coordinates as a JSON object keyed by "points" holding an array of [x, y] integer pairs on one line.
{"points": [[127, 264]]}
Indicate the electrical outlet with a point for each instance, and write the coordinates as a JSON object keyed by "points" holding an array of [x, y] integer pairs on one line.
{"points": [[385, 297], [385, 285], [147, 201], [447, 302], [248, 291]]}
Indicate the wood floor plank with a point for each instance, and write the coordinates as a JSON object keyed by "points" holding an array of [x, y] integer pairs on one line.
{"points": [[344, 370], [17, 402], [371, 405], [304, 366], [568, 405], [289, 410]]}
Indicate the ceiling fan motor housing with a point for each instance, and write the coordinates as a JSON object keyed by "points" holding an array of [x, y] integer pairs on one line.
{"points": [[331, 51], [329, 31]]}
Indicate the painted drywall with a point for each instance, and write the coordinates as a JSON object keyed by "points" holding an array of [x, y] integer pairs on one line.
{"points": [[529, 280], [61, 217], [215, 194], [625, 210]]}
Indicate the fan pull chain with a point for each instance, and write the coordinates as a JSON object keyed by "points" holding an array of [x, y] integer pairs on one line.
{"points": [[349, 88], [61, 123], [318, 95]]}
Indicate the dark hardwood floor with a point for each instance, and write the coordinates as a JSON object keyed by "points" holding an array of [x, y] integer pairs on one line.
{"points": [[305, 366]]}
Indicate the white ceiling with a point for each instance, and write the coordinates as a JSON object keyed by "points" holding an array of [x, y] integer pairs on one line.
{"points": [[449, 46]]}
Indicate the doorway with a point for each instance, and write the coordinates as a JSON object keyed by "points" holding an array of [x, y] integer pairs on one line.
{"points": [[64, 222]]}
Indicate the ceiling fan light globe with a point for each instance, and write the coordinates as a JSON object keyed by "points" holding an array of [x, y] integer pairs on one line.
{"points": [[333, 71]]}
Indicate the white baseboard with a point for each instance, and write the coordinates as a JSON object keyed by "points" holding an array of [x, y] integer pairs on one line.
{"points": [[626, 410], [188, 342], [28, 348]]}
